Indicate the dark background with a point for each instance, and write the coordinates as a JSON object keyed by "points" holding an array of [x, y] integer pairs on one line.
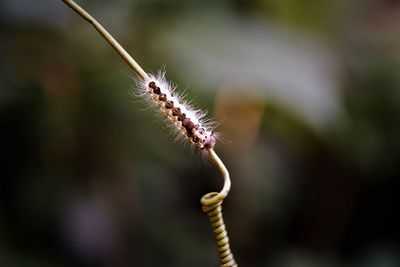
{"points": [[307, 93]]}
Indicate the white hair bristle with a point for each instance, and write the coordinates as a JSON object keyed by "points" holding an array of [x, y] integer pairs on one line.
{"points": [[186, 120]]}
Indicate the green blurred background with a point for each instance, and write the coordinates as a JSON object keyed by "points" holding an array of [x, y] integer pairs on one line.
{"points": [[307, 93]]}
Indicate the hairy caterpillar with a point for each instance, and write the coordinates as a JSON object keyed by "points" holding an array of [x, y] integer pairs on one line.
{"points": [[187, 121]]}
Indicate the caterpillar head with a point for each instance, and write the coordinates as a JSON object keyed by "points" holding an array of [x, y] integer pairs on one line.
{"points": [[208, 141]]}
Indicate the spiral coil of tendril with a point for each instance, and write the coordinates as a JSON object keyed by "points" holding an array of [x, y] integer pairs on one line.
{"points": [[212, 205]]}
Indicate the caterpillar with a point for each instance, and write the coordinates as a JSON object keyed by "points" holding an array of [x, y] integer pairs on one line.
{"points": [[186, 121]]}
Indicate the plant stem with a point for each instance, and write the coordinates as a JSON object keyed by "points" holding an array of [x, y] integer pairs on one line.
{"points": [[120, 50], [212, 206], [224, 172], [212, 202]]}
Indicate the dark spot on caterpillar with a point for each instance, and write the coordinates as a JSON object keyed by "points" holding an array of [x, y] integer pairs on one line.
{"points": [[157, 90], [176, 111], [185, 122], [195, 139], [169, 104], [188, 125], [181, 116], [152, 85], [162, 97]]}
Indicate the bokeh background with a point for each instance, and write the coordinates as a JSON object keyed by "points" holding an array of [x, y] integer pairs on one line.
{"points": [[307, 93]]}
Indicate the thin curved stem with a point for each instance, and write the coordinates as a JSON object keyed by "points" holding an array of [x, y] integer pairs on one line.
{"points": [[224, 172], [107, 36]]}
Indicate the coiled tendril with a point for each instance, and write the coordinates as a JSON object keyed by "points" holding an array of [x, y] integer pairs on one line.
{"points": [[212, 206]]}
